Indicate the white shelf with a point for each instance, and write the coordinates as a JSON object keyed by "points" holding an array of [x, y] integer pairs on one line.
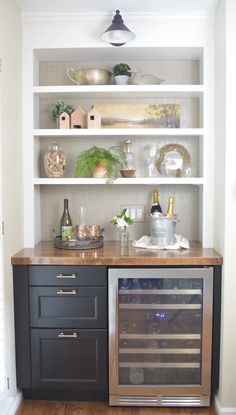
{"points": [[74, 132], [137, 180], [126, 91]]}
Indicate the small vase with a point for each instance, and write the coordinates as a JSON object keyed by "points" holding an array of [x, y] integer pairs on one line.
{"points": [[123, 237], [121, 79]]}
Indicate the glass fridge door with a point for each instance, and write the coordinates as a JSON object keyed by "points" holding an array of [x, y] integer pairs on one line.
{"points": [[161, 321]]}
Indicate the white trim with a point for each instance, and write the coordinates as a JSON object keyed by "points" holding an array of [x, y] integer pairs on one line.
{"points": [[75, 16], [223, 410], [117, 132], [196, 181], [11, 405]]}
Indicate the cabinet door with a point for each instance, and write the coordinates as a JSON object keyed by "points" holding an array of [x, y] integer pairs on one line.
{"points": [[84, 307], [69, 359]]}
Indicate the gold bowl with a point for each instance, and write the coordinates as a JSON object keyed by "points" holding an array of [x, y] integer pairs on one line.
{"points": [[89, 76]]}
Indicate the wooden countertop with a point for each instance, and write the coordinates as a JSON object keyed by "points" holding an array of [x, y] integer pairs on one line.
{"points": [[112, 254]]}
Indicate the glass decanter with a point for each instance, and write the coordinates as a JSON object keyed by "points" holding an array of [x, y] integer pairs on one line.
{"points": [[129, 170]]}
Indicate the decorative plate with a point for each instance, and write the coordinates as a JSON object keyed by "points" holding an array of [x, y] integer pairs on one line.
{"points": [[173, 160]]}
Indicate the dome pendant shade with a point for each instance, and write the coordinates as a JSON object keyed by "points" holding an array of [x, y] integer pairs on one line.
{"points": [[117, 33]]}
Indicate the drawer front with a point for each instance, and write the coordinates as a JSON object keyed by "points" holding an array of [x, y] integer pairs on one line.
{"points": [[67, 275], [69, 359], [68, 307]]}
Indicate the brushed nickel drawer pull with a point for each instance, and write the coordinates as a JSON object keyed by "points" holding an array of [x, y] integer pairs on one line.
{"points": [[68, 277], [69, 336], [62, 292]]}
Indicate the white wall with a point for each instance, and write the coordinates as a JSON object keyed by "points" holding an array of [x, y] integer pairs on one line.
{"points": [[225, 194], [10, 55]]}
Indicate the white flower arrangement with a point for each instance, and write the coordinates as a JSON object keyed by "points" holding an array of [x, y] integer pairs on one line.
{"points": [[122, 220]]}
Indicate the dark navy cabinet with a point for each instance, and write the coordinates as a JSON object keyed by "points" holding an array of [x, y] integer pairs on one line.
{"points": [[61, 331]]}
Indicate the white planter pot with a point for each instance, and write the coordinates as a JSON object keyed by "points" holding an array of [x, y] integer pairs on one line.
{"points": [[121, 79]]}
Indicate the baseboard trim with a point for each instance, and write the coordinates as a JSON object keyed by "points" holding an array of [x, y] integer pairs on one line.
{"points": [[14, 404], [223, 410]]}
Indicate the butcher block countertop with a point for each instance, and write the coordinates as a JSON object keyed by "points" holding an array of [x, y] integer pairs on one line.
{"points": [[112, 254]]}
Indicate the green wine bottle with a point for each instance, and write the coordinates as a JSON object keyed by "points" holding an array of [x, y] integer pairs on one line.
{"points": [[66, 222]]}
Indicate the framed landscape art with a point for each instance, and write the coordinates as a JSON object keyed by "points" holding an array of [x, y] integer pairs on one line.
{"points": [[139, 115]]}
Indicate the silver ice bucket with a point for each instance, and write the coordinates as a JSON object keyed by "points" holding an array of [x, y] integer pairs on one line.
{"points": [[162, 230]]}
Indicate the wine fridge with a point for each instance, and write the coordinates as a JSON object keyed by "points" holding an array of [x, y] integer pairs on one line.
{"points": [[160, 336]]}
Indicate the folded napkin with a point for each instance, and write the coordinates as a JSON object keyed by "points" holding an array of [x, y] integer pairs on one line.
{"points": [[145, 242]]}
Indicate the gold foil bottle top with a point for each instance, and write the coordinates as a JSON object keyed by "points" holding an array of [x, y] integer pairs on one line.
{"points": [[170, 209], [155, 203]]}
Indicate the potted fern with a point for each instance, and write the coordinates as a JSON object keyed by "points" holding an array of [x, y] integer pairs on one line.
{"points": [[100, 162], [121, 73]]}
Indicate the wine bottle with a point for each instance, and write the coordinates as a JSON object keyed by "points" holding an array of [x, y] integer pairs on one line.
{"points": [[66, 223], [170, 209], [156, 207], [154, 328], [136, 375]]}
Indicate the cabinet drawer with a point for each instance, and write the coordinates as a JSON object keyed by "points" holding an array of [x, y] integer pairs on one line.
{"points": [[69, 359], [68, 307], [67, 275]]}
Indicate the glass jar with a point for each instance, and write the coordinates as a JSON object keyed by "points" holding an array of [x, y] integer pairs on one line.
{"points": [[54, 161]]}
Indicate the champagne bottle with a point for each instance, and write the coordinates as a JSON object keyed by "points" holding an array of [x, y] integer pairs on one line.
{"points": [[170, 209], [156, 207], [66, 223]]}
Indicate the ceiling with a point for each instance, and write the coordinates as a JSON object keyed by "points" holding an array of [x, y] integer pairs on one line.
{"points": [[108, 6]]}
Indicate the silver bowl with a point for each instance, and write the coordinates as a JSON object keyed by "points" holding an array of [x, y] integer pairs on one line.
{"points": [[89, 76]]}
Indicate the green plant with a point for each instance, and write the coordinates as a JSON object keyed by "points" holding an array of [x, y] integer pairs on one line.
{"points": [[113, 160], [59, 107], [121, 69], [122, 220]]}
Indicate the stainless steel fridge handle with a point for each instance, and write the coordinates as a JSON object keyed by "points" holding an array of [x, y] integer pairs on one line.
{"points": [[62, 292], [62, 276], [69, 336]]}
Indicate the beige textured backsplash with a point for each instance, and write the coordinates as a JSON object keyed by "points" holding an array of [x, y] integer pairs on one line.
{"points": [[103, 201]]}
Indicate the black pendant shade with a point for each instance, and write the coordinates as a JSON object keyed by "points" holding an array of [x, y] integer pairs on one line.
{"points": [[117, 33]]}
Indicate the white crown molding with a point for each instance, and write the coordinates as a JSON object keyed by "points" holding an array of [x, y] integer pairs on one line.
{"points": [[68, 17]]}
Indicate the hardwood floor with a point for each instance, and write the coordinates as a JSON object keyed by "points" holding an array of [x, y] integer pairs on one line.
{"points": [[30, 407]]}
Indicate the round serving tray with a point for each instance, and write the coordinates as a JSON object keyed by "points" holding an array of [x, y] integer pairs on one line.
{"points": [[78, 244]]}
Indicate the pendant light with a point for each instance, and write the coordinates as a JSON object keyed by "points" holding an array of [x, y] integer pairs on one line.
{"points": [[117, 33]]}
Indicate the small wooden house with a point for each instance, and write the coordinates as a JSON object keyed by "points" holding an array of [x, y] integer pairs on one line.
{"points": [[78, 118], [94, 118], [64, 121]]}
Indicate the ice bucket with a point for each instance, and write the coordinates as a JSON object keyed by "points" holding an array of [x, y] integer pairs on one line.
{"points": [[162, 230]]}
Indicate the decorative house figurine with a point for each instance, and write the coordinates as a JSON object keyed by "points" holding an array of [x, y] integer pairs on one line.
{"points": [[64, 120], [94, 118], [78, 118]]}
